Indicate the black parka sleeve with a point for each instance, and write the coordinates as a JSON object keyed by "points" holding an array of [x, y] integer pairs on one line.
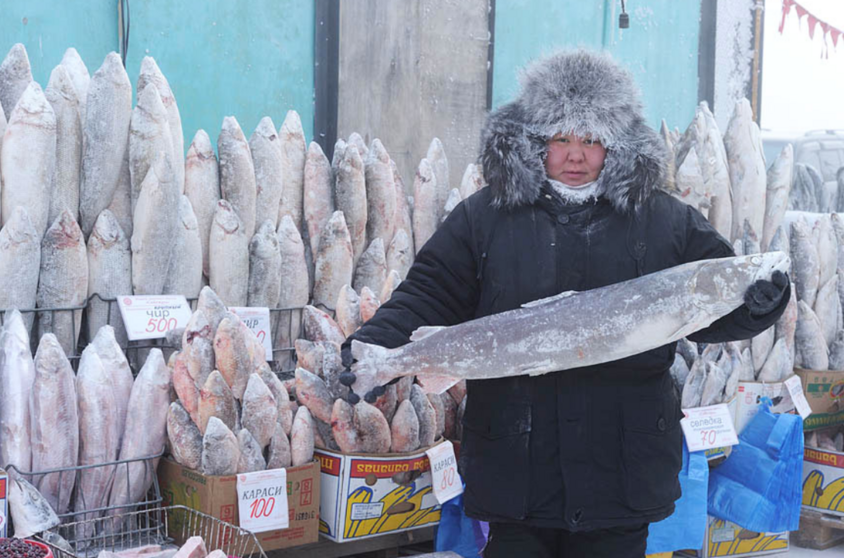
{"points": [[704, 242], [441, 288]]}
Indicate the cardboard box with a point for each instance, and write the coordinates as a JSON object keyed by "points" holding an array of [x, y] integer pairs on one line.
{"points": [[360, 498], [823, 480], [750, 396], [4, 511], [723, 538], [824, 391], [217, 497]]}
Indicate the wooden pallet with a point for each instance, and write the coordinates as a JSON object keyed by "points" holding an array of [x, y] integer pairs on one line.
{"points": [[818, 531]]}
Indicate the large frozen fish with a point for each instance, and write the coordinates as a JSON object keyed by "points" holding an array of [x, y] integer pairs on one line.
{"points": [[155, 220], [149, 137], [693, 388], [404, 429], [15, 77], [810, 346], [150, 73], [827, 308], [400, 253], [99, 439], [747, 168], [313, 393], [109, 274], [425, 210], [20, 262], [63, 281], [761, 346], [121, 202], [198, 347], [319, 326], [61, 95], [228, 261], [827, 245], [371, 270], [202, 187], [302, 438], [318, 196], [350, 198], [713, 387], [779, 364], [802, 195], [473, 180], [293, 148], [778, 189], [279, 452], [716, 172], [264, 267], [17, 374], [238, 353], [146, 431], [184, 274], [369, 304], [251, 453], [339, 150], [347, 311], [106, 138], [750, 240], [265, 147], [690, 185], [30, 510], [260, 412], [28, 160], [55, 422], [184, 385], [659, 308], [836, 352], [293, 292], [216, 400], [787, 324], [361, 428], [357, 141], [380, 194], [185, 438], [404, 214], [439, 165], [237, 174], [334, 262], [115, 363], [390, 283], [426, 414], [220, 449], [79, 77], [805, 262], [450, 203]]}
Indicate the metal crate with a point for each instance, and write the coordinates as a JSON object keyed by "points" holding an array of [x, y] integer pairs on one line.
{"points": [[155, 526]]}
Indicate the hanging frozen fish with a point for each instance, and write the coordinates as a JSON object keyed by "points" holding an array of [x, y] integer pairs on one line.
{"points": [[17, 375], [350, 198], [334, 262], [265, 147], [293, 158], [105, 141], [439, 165], [371, 270], [747, 168], [347, 311], [778, 189], [228, 260], [184, 273], [109, 275], [114, 361], [15, 77], [810, 346], [425, 210], [318, 196], [202, 187], [805, 262], [669, 305], [155, 221], [61, 95], [237, 175], [20, 262], [185, 438], [79, 77], [220, 449], [149, 139], [63, 281], [55, 422], [150, 73], [380, 195], [28, 159], [716, 174]]}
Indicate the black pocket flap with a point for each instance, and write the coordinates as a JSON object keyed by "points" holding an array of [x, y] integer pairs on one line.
{"points": [[498, 422]]}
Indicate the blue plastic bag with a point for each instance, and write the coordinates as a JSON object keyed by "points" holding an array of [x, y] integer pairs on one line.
{"points": [[758, 487], [458, 533], [686, 527]]}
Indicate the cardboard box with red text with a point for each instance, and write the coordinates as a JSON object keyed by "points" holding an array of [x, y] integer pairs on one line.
{"points": [[369, 495], [217, 496], [824, 391]]}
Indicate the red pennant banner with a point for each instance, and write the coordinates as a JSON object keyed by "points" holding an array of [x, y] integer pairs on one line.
{"points": [[813, 22], [833, 32]]}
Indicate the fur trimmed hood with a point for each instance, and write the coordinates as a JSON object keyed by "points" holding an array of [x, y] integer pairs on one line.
{"points": [[579, 92]]}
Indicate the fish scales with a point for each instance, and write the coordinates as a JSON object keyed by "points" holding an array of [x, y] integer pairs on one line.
{"points": [[264, 285], [259, 414], [228, 260], [334, 262], [149, 137], [17, 375], [747, 168], [805, 262], [251, 453], [220, 449], [811, 351], [109, 275], [380, 194], [425, 212], [293, 152], [350, 198], [216, 400], [202, 187], [371, 269], [151, 73], [237, 174], [318, 194], [15, 76], [302, 438], [61, 94], [184, 273], [20, 263], [198, 347], [319, 326], [293, 291], [114, 360], [121, 202], [185, 438], [778, 180]]}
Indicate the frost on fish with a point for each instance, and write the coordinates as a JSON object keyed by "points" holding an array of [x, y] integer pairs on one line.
{"points": [[828, 309], [220, 450], [425, 210], [260, 412], [63, 281], [121, 202], [279, 452], [390, 285], [264, 267], [827, 244], [334, 262], [79, 77], [238, 353], [17, 375], [185, 438], [360, 428], [251, 453], [473, 180], [293, 149], [31, 511], [202, 187], [237, 174], [747, 168], [319, 326], [778, 181], [761, 346], [61, 94], [369, 304], [149, 138], [380, 194], [660, 308], [350, 198], [691, 188], [184, 273], [151, 73], [811, 351], [114, 360], [28, 159], [109, 275], [452, 201], [371, 269], [15, 77], [228, 260], [347, 310], [404, 217], [302, 438], [198, 347], [318, 194], [293, 292], [20, 262], [312, 392], [439, 165], [805, 262], [216, 400]]}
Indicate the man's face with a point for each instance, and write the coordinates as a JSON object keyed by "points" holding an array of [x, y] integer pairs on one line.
{"points": [[573, 160]]}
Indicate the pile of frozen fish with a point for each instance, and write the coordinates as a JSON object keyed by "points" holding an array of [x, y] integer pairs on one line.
{"points": [[403, 419], [830, 439], [194, 547], [811, 193], [51, 418], [99, 197]]}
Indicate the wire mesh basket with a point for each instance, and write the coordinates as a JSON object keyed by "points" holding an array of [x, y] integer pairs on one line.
{"points": [[153, 526]]}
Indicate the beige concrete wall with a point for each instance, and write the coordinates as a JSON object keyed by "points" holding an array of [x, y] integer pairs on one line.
{"points": [[412, 70]]}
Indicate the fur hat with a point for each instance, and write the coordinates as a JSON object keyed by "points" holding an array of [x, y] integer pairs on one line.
{"points": [[582, 93]]}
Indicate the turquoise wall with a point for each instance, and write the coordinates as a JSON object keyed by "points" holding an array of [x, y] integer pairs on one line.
{"points": [[247, 58], [660, 47]]}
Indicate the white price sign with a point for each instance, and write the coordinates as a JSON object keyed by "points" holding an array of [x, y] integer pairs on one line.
{"points": [[262, 500], [152, 316], [795, 389], [258, 320], [709, 427], [446, 481]]}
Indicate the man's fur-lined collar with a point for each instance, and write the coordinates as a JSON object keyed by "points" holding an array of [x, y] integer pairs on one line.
{"points": [[581, 93]]}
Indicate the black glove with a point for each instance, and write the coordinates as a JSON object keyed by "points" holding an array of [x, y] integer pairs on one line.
{"points": [[347, 377], [763, 297]]}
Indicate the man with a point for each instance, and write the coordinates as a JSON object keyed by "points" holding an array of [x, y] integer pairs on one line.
{"points": [[578, 462]]}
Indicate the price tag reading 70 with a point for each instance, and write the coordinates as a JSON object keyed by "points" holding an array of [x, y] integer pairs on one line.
{"points": [[708, 427], [151, 317]]}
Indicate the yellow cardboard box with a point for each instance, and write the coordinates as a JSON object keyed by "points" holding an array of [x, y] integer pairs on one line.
{"points": [[824, 391], [724, 538], [217, 497], [823, 480], [368, 495]]}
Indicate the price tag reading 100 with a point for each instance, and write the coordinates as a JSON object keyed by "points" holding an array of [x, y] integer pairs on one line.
{"points": [[262, 500]]}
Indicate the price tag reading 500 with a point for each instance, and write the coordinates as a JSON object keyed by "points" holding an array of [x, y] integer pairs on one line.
{"points": [[151, 317], [262, 500]]}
